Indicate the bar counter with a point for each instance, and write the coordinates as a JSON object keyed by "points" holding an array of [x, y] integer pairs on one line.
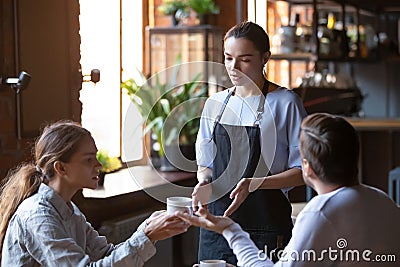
{"points": [[372, 124], [380, 149]]}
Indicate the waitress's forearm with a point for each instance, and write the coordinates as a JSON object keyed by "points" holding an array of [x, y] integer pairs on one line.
{"points": [[289, 178], [204, 174]]}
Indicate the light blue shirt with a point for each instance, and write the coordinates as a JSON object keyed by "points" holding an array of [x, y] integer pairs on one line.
{"points": [[45, 231], [280, 126]]}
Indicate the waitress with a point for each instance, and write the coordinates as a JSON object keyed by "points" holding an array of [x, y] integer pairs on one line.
{"points": [[247, 149]]}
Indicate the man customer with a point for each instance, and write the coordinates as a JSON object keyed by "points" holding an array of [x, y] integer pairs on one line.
{"points": [[347, 223]]}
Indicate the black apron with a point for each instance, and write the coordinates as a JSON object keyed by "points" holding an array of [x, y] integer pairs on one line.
{"points": [[266, 213]]}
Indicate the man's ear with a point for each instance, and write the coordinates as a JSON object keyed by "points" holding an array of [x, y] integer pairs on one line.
{"points": [[59, 167], [308, 171], [266, 57]]}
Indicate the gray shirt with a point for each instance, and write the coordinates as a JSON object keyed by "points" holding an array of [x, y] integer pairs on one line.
{"points": [[356, 225], [46, 231]]}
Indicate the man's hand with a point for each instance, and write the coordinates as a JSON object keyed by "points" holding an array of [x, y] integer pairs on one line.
{"points": [[206, 220]]}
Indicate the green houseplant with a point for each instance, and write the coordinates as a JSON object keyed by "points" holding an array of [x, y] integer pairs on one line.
{"points": [[156, 101], [170, 7], [108, 164], [203, 8]]}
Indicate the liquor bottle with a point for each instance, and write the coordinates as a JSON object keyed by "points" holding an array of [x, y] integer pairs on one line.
{"points": [[331, 21], [324, 37], [352, 32], [363, 42], [303, 35]]}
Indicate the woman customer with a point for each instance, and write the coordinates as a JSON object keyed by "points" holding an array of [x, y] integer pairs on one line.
{"points": [[41, 226], [248, 141]]}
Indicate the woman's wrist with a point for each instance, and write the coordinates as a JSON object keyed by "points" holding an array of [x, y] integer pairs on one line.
{"points": [[149, 234]]}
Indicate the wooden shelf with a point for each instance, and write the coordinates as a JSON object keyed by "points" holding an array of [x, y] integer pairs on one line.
{"points": [[294, 57], [383, 6]]}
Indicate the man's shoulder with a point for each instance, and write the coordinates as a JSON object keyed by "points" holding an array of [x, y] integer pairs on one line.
{"points": [[352, 198]]}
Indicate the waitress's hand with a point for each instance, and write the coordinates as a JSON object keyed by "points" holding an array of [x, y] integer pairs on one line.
{"points": [[201, 195], [240, 193]]}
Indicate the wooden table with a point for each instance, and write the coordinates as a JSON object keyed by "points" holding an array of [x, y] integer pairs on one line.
{"points": [[130, 190]]}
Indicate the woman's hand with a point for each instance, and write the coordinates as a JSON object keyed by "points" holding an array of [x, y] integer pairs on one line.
{"points": [[161, 225], [201, 195], [206, 220], [241, 191]]}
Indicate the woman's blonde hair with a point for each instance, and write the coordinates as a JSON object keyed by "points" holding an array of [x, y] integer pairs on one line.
{"points": [[58, 142]]}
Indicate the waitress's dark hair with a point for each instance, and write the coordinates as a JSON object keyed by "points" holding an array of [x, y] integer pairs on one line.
{"points": [[252, 32], [331, 146]]}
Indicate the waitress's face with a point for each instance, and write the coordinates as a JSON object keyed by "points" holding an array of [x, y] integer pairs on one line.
{"points": [[243, 59]]}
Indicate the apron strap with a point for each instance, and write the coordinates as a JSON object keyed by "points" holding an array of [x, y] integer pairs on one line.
{"points": [[218, 118], [231, 93], [260, 109]]}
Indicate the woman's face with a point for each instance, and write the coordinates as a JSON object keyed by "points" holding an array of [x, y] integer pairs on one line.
{"points": [[243, 59], [83, 167]]}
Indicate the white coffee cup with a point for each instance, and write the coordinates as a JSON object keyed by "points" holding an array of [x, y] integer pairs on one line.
{"points": [[211, 263], [183, 204]]}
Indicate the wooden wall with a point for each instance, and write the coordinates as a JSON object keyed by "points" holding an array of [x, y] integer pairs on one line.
{"points": [[46, 45], [41, 38]]}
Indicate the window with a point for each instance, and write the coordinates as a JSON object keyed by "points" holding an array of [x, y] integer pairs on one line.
{"points": [[107, 46]]}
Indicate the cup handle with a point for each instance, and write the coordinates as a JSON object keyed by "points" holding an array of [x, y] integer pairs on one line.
{"points": [[196, 265]]}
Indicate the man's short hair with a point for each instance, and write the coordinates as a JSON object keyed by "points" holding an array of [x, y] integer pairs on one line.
{"points": [[331, 146]]}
